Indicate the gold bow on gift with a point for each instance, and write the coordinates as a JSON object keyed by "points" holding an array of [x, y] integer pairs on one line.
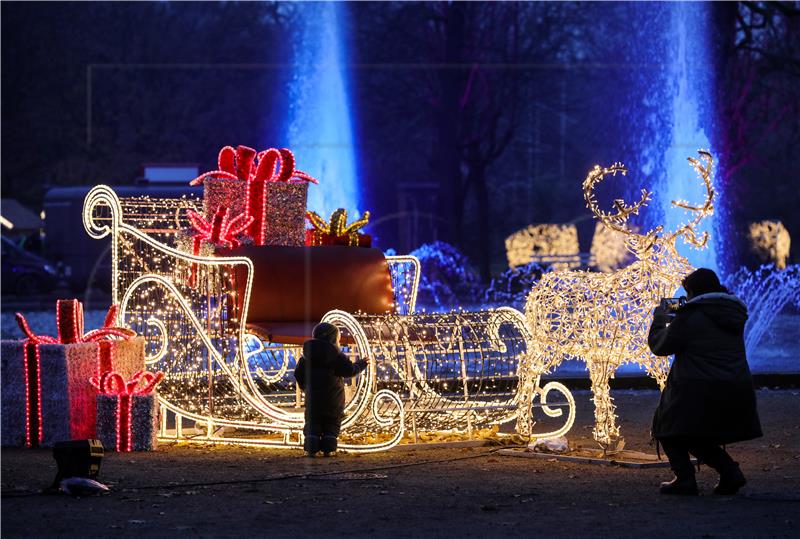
{"points": [[338, 228]]}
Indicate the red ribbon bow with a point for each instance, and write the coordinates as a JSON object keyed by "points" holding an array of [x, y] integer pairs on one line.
{"points": [[69, 320], [274, 165], [238, 164], [112, 384], [220, 230]]}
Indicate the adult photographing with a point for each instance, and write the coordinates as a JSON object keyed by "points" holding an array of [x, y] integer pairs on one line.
{"points": [[709, 400]]}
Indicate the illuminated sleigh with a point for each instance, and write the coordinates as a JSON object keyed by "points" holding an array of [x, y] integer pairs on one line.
{"points": [[227, 331]]}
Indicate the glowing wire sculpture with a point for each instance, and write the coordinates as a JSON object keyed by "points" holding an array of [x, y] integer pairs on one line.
{"points": [[551, 244], [459, 370], [771, 242], [453, 371], [603, 319], [608, 252]]}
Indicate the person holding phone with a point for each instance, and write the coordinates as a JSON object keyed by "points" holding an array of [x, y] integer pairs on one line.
{"points": [[709, 399]]}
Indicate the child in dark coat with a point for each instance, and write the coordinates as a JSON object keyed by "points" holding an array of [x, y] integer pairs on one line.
{"points": [[319, 373]]}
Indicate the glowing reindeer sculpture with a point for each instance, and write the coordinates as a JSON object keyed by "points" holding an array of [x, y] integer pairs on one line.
{"points": [[603, 319]]}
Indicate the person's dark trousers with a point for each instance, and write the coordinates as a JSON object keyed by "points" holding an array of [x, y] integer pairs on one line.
{"points": [[321, 434], [678, 450]]}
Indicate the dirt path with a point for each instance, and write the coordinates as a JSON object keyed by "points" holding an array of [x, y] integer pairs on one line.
{"points": [[465, 493]]}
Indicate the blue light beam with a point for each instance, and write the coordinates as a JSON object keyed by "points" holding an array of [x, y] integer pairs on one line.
{"points": [[319, 126]]}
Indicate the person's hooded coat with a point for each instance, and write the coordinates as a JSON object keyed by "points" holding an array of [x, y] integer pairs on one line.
{"points": [[709, 392], [319, 373]]}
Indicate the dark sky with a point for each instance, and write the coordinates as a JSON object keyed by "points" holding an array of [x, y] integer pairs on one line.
{"points": [[91, 91]]}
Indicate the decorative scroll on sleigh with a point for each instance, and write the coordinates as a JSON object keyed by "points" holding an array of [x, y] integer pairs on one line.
{"points": [[226, 332]]}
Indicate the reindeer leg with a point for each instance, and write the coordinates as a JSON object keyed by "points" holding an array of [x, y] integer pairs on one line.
{"points": [[606, 431], [528, 383]]}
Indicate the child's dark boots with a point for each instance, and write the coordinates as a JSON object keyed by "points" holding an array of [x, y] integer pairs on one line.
{"points": [[311, 445], [329, 445]]}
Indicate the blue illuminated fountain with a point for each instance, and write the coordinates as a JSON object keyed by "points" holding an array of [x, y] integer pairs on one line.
{"points": [[683, 93], [319, 125], [692, 88]]}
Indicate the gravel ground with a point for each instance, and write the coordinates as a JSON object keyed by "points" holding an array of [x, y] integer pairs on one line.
{"points": [[425, 493]]}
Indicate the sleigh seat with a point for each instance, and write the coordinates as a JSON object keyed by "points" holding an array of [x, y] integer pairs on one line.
{"points": [[294, 287]]}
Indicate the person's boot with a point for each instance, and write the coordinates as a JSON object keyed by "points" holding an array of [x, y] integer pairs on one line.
{"points": [[684, 484], [311, 445], [731, 479], [329, 445]]}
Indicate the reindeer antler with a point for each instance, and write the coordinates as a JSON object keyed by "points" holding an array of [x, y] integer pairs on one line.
{"points": [[703, 167], [617, 221]]}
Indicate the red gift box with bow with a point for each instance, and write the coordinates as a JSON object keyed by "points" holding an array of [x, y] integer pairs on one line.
{"points": [[46, 395], [127, 411], [208, 236], [262, 185]]}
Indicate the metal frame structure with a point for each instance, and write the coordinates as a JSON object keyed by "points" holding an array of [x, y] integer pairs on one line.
{"points": [[450, 371]]}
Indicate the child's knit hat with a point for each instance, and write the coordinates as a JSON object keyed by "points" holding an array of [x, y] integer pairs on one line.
{"points": [[325, 332]]}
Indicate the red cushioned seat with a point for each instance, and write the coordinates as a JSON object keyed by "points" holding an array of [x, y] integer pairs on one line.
{"points": [[282, 332], [293, 287]]}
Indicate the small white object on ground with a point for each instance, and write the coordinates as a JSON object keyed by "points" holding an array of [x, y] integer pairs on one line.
{"points": [[550, 445], [81, 486]]}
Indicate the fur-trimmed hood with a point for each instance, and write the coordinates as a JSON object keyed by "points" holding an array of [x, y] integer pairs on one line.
{"points": [[725, 310]]}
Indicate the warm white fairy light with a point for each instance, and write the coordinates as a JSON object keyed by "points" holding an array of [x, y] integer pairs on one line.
{"points": [[458, 370], [771, 242], [219, 375], [603, 319], [405, 271], [608, 252], [551, 244], [196, 335]]}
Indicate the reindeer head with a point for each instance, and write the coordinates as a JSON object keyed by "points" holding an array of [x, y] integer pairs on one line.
{"points": [[642, 245]]}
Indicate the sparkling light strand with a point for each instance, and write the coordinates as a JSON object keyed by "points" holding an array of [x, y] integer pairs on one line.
{"points": [[603, 319], [463, 366]]}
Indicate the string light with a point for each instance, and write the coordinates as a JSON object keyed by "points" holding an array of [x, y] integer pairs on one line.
{"points": [[458, 370], [112, 384], [336, 229], [608, 252], [603, 319], [193, 334], [551, 244], [447, 277], [69, 321], [33, 363], [271, 185], [446, 371]]}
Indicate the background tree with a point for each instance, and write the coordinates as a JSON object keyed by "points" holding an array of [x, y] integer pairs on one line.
{"points": [[469, 73], [93, 91], [758, 101], [485, 114]]}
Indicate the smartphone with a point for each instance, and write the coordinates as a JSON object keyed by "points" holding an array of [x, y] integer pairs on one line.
{"points": [[673, 304]]}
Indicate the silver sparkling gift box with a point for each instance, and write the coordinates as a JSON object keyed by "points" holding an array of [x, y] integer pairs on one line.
{"points": [[284, 207], [285, 213], [226, 193]]}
